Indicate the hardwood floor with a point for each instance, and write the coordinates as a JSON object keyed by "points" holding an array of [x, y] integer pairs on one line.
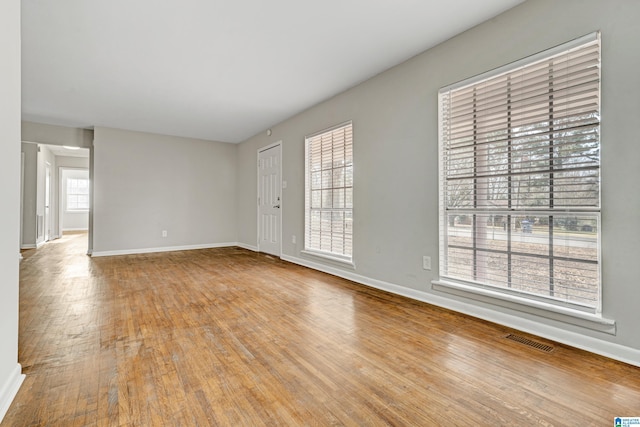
{"points": [[230, 337]]}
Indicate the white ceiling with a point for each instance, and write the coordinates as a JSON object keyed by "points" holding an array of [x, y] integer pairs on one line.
{"points": [[214, 69]]}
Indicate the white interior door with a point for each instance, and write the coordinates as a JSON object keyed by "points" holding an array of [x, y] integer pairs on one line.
{"points": [[269, 200], [47, 204], [21, 200]]}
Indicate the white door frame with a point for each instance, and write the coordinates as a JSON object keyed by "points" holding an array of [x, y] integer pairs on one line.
{"points": [[48, 212], [21, 202], [260, 150]]}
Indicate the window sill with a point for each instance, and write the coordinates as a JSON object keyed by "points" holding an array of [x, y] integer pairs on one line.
{"points": [[333, 259], [539, 308]]}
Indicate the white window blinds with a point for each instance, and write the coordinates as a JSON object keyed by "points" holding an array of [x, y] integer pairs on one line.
{"points": [[520, 177], [329, 192]]}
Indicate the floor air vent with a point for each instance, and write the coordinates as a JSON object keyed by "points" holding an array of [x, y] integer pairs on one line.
{"points": [[530, 343]]}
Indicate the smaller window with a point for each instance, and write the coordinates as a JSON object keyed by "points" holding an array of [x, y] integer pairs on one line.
{"points": [[329, 193], [77, 194]]}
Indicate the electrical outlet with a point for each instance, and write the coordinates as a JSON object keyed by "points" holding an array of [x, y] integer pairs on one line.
{"points": [[426, 262], [293, 239], [164, 233]]}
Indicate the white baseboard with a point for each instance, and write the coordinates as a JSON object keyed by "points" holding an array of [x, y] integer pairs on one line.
{"points": [[30, 246], [74, 229], [161, 249], [249, 247], [9, 389], [573, 339]]}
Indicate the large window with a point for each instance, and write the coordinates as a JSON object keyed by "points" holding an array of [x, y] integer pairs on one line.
{"points": [[520, 178], [77, 194], [329, 193]]}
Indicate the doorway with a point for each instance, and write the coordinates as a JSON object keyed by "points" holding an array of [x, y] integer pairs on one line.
{"points": [[41, 193], [47, 202], [270, 199]]}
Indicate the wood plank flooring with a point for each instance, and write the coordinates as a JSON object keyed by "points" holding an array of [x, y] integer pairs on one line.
{"points": [[229, 337]]}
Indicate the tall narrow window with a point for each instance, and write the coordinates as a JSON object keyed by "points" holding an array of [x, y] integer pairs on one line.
{"points": [[329, 193], [520, 178]]}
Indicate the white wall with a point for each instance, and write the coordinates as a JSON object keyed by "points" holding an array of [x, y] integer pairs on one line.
{"points": [[10, 370], [396, 165], [146, 183], [69, 219]]}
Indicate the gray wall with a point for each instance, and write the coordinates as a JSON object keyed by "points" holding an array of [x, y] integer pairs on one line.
{"points": [[396, 165], [145, 183], [56, 135], [29, 196], [10, 370], [72, 162]]}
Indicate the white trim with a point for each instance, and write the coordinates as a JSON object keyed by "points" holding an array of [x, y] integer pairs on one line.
{"points": [[329, 129], [594, 345], [346, 262], [248, 247], [62, 203], [528, 305], [268, 147], [29, 246], [63, 194], [9, 389], [162, 249], [48, 212], [173, 249], [307, 249], [22, 156], [480, 288], [508, 68]]}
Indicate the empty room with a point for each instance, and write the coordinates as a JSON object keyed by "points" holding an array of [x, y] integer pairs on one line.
{"points": [[319, 213]]}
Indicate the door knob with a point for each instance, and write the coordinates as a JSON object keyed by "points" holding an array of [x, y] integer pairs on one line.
{"points": [[277, 206]]}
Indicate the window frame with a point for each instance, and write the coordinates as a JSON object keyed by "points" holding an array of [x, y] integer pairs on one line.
{"points": [[67, 194], [495, 294], [309, 248]]}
